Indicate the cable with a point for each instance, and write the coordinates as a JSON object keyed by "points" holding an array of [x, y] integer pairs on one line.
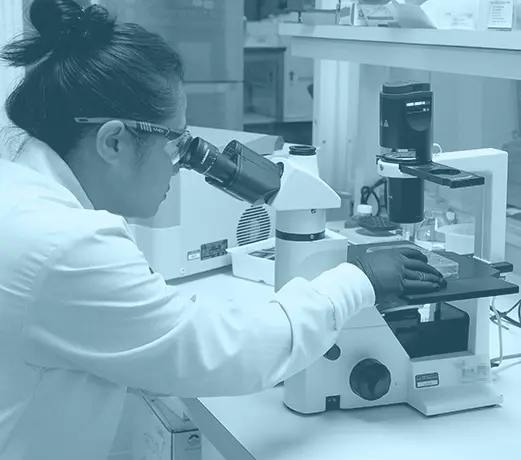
{"points": [[368, 192], [500, 317], [504, 315], [497, 361]]}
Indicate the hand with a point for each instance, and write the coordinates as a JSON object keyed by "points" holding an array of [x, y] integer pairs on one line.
{"points": [[397, 272]]}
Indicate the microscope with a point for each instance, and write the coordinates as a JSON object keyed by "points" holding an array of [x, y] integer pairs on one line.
{"points": [[432, 350]]}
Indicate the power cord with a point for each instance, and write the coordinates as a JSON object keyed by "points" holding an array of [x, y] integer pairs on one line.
{"points": [[369, 192], [498, 318]]}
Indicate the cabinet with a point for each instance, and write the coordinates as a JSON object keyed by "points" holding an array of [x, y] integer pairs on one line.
{"points": [[277, 86], [298, 81], [264, 84]]}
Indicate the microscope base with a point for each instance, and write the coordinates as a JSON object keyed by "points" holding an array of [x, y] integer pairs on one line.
{"points": [[371, 368]]}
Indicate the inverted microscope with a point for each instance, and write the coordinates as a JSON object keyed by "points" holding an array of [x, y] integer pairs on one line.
{"points": [[430, 351]]}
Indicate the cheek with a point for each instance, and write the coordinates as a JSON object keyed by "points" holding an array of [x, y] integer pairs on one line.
{"points": [[156, 173], [162, 173]]}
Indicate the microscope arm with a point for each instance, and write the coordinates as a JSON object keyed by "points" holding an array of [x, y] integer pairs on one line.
{"points": [[292, 186], [302, 189]]}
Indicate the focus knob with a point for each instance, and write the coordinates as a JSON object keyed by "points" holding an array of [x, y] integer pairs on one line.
{"points": [[370, 380]]}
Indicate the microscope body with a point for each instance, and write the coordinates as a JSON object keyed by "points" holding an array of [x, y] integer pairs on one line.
{"points": [[370, 364], [385, 359]]}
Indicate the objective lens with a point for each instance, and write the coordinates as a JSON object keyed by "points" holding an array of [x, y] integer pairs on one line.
{"points": [[405, 200]]}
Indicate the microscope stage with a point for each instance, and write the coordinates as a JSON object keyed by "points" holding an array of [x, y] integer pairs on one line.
{"points": [[476, 279]]}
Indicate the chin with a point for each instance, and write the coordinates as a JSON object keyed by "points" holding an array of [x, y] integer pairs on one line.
{"points": [[148, 213]]}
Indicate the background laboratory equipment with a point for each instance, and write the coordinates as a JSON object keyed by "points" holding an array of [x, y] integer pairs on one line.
{"points": [[428, 234], [382, 359], [197, 224], [406, 157]]}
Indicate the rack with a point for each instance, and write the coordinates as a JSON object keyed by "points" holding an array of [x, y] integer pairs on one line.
{"points": [[479, 53]]}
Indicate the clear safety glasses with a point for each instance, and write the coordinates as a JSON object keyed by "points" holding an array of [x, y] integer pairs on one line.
{"points": [[175, 139]]}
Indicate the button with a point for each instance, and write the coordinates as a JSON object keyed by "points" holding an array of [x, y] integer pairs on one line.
{"points": [[334, 353]]}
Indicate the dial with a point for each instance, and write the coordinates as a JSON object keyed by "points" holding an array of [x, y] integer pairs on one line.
{"points": [[370, 380]]}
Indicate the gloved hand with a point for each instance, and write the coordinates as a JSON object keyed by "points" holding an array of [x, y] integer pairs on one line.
{"points": [[396, 272]]}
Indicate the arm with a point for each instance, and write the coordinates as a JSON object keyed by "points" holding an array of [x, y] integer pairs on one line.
{"points": [[98, 309]]}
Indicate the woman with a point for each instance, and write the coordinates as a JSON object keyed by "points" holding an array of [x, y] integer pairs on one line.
{"points": [[82, 319]]}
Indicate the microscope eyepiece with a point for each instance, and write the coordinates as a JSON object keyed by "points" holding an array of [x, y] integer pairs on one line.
{"points": [[237, 170]]}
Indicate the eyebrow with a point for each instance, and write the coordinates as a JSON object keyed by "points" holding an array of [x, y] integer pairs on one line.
{"points": [[176, 130]]}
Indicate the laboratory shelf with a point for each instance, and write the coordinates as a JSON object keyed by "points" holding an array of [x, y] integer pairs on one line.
{"points": [[480, 53]]}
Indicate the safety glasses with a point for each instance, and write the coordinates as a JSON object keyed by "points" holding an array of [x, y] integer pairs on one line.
{"points": [[175, 139]]}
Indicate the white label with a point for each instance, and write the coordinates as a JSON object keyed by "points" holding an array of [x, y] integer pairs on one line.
{"points": [[194, 255], [479, 373], [427, 380], [501, 14]]}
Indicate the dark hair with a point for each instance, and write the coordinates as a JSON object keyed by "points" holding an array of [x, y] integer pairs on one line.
{"points": [[85, 64]]}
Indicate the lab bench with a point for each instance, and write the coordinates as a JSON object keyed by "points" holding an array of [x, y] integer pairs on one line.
{"points": [[260, 427]]}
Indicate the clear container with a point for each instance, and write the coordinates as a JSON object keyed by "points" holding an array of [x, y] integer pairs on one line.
{"points": [[427, 234]]}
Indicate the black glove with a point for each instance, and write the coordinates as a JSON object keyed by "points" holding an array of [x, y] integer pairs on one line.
{"points": [[397, 272]]}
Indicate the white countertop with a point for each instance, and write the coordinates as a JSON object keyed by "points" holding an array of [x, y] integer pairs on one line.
{"points": [[260, 427]]}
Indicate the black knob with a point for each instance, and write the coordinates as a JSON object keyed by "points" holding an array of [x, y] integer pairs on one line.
{"points": [[334, 353], [370, 379]]}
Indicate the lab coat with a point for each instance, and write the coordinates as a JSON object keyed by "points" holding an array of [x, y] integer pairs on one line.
{"points": [[83, 321]]}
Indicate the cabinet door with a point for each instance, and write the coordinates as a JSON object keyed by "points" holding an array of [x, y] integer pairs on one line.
{"points": [[298, 76], [263, 82]]}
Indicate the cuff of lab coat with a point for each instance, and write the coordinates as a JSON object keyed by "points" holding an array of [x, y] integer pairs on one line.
{"points": [[348, 289]]}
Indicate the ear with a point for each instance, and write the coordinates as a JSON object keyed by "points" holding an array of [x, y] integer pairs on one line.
{"points": [[114, 142]]}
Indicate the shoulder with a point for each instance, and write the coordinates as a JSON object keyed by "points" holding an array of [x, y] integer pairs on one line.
{"points": [[41, 224]]}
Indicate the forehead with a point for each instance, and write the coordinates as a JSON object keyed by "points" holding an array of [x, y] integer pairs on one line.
{"points": [[177, 122]]}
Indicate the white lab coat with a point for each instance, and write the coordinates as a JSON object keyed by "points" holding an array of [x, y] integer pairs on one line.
{"points": [[82, 321]]}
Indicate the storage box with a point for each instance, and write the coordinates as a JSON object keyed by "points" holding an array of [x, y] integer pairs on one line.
{"points": [[255, 261], [351, 14], [161, 435]]}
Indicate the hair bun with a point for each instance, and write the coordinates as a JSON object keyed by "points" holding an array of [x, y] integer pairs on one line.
{"points": [[64, 25]]}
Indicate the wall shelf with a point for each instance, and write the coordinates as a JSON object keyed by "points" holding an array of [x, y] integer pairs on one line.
{"points": [[480, 53]]}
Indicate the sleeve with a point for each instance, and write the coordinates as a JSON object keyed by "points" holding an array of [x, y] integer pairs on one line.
{"points": [[98, 309]]}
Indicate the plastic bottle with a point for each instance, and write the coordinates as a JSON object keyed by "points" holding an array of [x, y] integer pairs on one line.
{"points": [[427, 235]]}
